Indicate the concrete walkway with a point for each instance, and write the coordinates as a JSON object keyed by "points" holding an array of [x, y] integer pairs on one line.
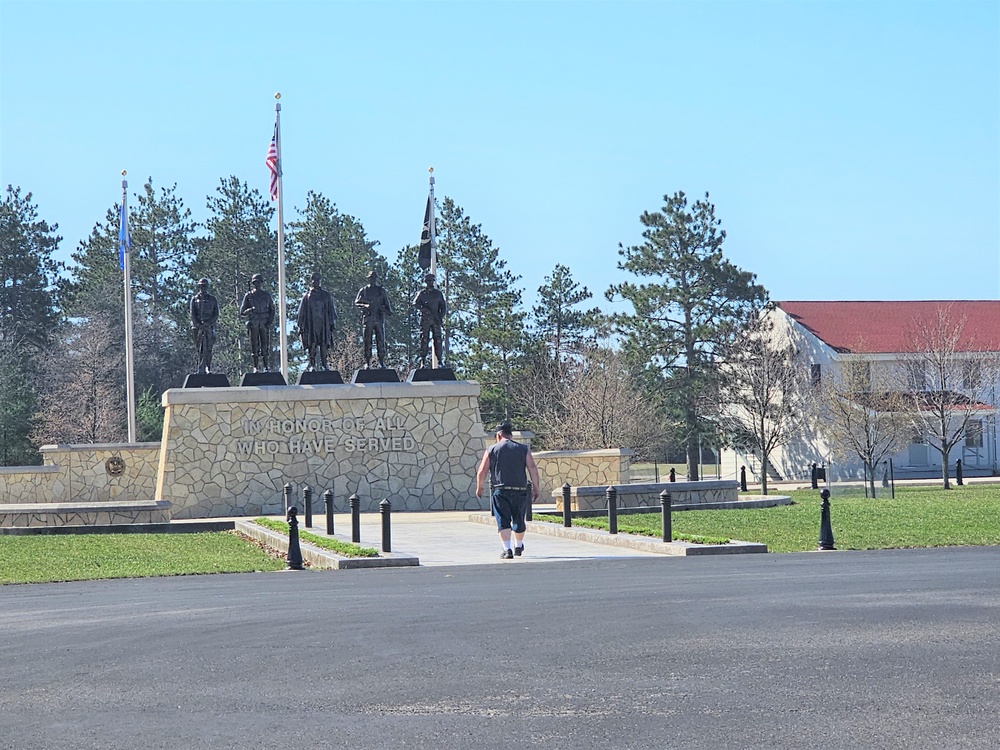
{"points": [[451, 538]]}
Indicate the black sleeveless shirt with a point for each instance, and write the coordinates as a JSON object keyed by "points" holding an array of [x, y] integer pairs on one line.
{"points": [[508, 464]]}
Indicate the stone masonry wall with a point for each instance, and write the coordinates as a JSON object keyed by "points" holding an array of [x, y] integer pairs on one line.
{"points": [[712, 491], [582, 468], [82, 473], [230, 451]]}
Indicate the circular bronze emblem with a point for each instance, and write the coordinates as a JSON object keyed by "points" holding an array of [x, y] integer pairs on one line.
{"points": [[115, 466]]}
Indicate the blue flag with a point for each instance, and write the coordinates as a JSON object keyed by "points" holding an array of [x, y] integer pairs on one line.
{"points": [[124, 238]]}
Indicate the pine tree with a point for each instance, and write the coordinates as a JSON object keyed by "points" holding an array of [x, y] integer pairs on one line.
{"points": [[690, 305], [163, 247], [484, 333], [557, 318], [28, 300], [403, 280], [28, 314]]}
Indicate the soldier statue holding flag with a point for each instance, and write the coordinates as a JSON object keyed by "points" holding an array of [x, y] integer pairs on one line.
{"points": [[432, 308]]}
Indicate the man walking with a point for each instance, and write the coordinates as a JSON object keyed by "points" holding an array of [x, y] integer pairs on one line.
{"points": [[508, 465]]}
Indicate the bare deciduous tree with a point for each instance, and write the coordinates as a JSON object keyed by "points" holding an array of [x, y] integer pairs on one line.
{"points": [[83, 398], [865, 414], [346, 354], [957, 380], [762, 392], [597, 403]]}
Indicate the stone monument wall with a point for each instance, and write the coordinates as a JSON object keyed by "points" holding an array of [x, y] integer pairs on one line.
{"points": [[582, 468], [230, 451], [110, 472], [710, 492]]}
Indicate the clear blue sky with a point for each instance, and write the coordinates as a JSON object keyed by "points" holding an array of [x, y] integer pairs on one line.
{"points": [[852, 149]]}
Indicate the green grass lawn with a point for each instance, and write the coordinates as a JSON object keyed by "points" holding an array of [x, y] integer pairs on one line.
{"points": [[347, 549], [80, 557], [917, 517]]}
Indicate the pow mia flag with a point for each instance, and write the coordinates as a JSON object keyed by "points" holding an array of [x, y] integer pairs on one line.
{"points": [[426, 240]]}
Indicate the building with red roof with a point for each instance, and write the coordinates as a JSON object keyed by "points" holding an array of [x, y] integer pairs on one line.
{"points": [[890, 344]]}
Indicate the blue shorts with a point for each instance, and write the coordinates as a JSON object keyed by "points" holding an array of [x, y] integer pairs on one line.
{"points": [[509, 507]]}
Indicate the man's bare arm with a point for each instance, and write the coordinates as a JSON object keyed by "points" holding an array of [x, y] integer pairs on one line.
{"points": [[484, 469], [533, 473]]}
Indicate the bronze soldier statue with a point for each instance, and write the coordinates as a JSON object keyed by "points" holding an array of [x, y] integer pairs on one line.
{"points": [[204, 314], [258, 309], [429, 301], [317, 320], [374, 305]]}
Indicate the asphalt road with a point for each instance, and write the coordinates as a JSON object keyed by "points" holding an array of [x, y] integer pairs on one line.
{"points": [[896, 649]]}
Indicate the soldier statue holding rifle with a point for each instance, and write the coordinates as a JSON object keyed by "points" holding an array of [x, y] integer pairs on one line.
{"points": [[204, 315], [374, 305], [258, 309]]}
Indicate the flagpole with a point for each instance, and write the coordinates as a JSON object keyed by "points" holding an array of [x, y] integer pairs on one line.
{"points": [[124, 243], [282, 333], [433, 268], [433, 235]]}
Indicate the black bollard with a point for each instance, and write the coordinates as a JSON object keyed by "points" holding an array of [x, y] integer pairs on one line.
{"points": [[307, 501], [294, 550], [385, 508], [743, 479], [815, 477], [825, 529], [328, 504], [673, 474], [287, 492], [665, 503], [612, 495], [355, 503], [958, 472], [529, 502], [567, 513]]}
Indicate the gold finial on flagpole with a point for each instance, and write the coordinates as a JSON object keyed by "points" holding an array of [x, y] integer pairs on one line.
{"points": [[430, 169], [124, 173], [277, 94]]}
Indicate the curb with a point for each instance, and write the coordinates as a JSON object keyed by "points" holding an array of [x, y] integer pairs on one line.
{"points": [[631, 541], [321, 558]]}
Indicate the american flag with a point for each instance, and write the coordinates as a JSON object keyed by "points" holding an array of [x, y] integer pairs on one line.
{"points": [[272, 163]]}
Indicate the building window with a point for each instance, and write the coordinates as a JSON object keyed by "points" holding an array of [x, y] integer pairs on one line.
{"points": [[815, 374], [972, 375], [858, 375], [916, 376], [974, 434]]}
